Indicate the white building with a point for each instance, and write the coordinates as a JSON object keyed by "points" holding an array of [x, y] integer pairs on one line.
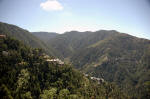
{"points": [[55, 60]]}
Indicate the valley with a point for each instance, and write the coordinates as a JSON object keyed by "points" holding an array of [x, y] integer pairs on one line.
{"points": [[119, 61]]}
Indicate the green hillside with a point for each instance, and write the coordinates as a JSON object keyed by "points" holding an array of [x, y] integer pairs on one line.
{"points": [[25, 36], [45, 36], [70, 42], [122, 59], [116, 57], [26, 74]]}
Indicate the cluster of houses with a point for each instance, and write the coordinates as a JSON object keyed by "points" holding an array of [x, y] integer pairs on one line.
{"points": [[48, 59], [99, 80], [56, 61]]}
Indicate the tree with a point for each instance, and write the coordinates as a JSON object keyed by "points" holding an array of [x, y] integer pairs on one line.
{"points": [[49, 94], [5, 93], [146, 90], [64, 94], [27, 95]]}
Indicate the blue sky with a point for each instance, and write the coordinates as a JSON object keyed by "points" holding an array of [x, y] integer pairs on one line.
{"points": [[129, 16]]}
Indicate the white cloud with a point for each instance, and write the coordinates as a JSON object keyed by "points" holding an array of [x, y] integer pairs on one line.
{"points": [[51, 5]]}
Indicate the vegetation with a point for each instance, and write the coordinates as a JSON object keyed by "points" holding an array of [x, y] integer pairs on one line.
{"points": [[71, 42], [45, 36], [116, 57], [25, 74], [25, 36], [123, 61]]}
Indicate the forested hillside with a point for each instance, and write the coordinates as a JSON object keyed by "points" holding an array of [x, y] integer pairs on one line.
{"points": [[70, 42], [26, 73], [122, 60], [25, 36], [116, 57], [45, 36]]}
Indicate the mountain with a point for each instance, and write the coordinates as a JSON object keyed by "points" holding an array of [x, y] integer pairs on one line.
{"points": [[122, 59], [116, 57], [28, 73], [25, 36], [68, 43], [45, 36]]}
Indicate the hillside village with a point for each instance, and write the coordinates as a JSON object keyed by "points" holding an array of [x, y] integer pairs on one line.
{"points": [[48, 59], [99, 80], [58, 61]]}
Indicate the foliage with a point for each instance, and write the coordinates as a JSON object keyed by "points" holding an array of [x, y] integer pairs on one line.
{"points": [[45, 36], [49, 94], [116, 57], [25, 36], [25, 74]]}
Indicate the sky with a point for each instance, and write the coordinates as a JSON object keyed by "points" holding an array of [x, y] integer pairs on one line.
{"points": [[127, 16]]}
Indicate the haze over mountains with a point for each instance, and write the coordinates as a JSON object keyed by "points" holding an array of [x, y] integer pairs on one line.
{"points": [[116, 57]]}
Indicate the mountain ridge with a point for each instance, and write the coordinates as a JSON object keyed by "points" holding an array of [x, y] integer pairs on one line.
{"points": [[116, 57], [25, 36], [119, 58], [45, 36], [27, 73]]}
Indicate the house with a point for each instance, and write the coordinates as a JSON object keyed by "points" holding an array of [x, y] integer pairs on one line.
{"points": [[56, 61], [45, 56], [5, 53], [86, 75], [2, 36], [100, 80]]}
